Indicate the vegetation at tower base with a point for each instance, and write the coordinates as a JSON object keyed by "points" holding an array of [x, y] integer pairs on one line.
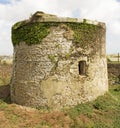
{"points": [[104, 112], [33, 33]]}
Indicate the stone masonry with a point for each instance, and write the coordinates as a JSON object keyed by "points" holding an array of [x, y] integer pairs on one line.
{"points": [[67, 67]]}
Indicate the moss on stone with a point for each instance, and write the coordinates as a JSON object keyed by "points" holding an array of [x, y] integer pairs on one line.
{"points": [[33, 33], [84, 34], [52, 58]]}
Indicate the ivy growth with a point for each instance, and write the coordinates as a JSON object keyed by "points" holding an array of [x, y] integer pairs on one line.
{"points": [[33, 33], [85, 34]]}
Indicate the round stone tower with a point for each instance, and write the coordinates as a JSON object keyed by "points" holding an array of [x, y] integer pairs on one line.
{"points": [[58, 62]]}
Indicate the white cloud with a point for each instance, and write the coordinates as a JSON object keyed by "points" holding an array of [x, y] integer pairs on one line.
{"points": [[101, 10]]}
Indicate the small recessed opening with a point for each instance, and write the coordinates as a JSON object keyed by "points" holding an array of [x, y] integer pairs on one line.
{"points": [[82, 67]]}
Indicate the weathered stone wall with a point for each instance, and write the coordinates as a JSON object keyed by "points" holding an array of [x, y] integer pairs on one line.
{"points": [[48, 73]]}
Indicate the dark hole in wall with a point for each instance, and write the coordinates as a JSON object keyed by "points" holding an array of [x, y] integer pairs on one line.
{"points": [[82, 67]]}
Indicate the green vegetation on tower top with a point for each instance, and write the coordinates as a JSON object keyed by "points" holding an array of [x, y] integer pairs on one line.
{"points": [[34, 33]]}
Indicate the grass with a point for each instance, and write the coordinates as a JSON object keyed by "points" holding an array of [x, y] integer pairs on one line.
{"points": [[113, 62], [103, 112]]}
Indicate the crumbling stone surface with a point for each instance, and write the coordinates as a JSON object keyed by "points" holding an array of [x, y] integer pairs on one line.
{"points": [[48, 74]]}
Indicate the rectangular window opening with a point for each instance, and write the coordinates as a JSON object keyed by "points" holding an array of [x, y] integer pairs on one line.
{"points": [[82, 67]]}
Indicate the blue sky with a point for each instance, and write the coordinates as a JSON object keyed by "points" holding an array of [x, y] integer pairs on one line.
{"points": [[108, 11], [5, 1], [8, 1]]}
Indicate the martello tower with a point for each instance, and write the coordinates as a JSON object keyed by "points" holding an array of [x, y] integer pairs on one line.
{"points": [[58, 61]]}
